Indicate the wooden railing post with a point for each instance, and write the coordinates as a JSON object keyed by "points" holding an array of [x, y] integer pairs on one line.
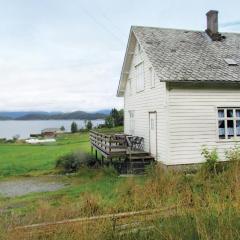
{"points": [[108, 145]]}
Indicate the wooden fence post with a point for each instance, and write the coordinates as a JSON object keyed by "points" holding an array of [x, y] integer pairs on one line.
{"points": [[96, 155], [102, 162], [91, 149]]}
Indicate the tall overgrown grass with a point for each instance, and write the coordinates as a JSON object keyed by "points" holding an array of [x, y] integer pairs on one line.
{"points": [[208, 204]]}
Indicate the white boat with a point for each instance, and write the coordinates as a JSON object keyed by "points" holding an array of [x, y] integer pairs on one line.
{"points": [[37, 141]]}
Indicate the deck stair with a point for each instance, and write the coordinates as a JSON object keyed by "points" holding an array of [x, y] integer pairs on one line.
{"points": [[136, 162]]}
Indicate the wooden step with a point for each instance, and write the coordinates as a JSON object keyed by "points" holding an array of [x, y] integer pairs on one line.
{"points": [[143, 158], [134, 167], [137, 152]]}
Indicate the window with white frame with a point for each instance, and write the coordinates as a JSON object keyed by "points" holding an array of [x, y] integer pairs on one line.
{"points": [[152, 77], [129, 86], [131, 122], [139, 48], [228, 123], [139, 69], [138, 54]]}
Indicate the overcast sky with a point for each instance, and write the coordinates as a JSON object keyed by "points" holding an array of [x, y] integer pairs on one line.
{"points": [[65, 55]]}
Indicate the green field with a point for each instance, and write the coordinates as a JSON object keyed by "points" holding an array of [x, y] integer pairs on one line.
{"points": [[20, 158], [20, 161], [207, 200]]}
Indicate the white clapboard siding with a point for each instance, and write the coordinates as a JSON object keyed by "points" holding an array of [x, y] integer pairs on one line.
{"points": [[149, 100], [193, 121]]}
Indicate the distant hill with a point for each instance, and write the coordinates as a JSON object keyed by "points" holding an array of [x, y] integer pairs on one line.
{"points": [[41, 115], [5, 118], [78, 115], [104, 111], [19, 114]]}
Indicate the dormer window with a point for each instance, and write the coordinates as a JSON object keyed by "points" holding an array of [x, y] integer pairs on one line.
{"points": [[230, 62], [152, 77], [138, 48]]}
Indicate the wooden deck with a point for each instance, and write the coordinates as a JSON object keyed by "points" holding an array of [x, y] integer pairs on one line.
{"points": [[130, 159], [109, 146]]}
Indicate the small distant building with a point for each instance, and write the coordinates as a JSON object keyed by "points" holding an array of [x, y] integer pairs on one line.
{"points": [[51, 132]]}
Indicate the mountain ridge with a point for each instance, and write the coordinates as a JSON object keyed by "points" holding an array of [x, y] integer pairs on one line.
{"points": [[76, 115]]}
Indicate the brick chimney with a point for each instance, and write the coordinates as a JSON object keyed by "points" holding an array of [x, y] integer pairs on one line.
{"points": [[212, 25]]}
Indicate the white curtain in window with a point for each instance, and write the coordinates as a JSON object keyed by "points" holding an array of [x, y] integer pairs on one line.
{"points": [[238, 131], [230, 131], [221, 113], [238, 113], [221, 131]]}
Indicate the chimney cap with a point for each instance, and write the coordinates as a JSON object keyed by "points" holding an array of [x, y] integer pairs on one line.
{"points": [[210, 12]]}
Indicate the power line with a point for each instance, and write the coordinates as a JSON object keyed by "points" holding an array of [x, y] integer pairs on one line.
{"points": [[108, 19], [230, 24], [120, 40]]}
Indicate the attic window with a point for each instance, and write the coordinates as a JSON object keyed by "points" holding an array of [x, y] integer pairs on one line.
{"points": [[138, 48], [230, 62]]}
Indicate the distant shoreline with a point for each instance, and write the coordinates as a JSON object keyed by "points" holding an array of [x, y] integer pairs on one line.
{"points": [[4, 120], [23, 128]]}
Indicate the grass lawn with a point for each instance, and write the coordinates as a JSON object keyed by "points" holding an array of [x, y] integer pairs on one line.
{"points": [[20, 158], [88, 192], [207, 201]]}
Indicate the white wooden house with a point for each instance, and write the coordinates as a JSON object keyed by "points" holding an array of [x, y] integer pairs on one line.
{"points": [[181, 91]]}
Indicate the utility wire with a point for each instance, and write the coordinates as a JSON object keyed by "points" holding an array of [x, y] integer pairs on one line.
{"points": [[119, 39], [230, 24], [109, 20]]}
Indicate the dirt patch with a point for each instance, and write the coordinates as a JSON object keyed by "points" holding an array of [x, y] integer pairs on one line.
{"points": [[21, 187]]}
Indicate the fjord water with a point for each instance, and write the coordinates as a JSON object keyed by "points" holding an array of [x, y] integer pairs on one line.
{"points": [[8, 129]]}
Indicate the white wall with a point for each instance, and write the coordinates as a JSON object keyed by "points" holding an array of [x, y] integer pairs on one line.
{"points": [[149, 100], [193, 120]]}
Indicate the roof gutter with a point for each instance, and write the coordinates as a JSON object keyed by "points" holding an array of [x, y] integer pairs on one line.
{"points": [[124, 73]]}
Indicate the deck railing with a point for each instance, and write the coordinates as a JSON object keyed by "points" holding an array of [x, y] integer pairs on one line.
{"points": [[110, 145]]}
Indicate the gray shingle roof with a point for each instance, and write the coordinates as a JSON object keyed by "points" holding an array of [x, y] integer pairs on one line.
{"points": [[182, 55]]}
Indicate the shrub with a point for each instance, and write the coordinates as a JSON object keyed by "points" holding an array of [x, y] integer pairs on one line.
{"points": [[211, 158], [62, 128], [233, 157], [72, 162], [233, 154], [16, 137], [110, 171], [3, 140]]}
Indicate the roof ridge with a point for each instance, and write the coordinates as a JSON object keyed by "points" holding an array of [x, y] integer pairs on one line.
{"points": [[178, 29], [164, 28]]}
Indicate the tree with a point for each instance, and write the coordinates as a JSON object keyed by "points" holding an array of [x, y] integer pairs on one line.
{"points": [[109, 121], [16, 137], [89, 125], [62, 128], [115, 115], [74, 127], [120, 117], [115, 118]]}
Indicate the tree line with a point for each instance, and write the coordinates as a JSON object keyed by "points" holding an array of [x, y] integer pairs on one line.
{"points": [[74, 126], [114, 119]]}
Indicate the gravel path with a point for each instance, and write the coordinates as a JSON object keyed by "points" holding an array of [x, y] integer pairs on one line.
{"points": [[23, 187]]}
